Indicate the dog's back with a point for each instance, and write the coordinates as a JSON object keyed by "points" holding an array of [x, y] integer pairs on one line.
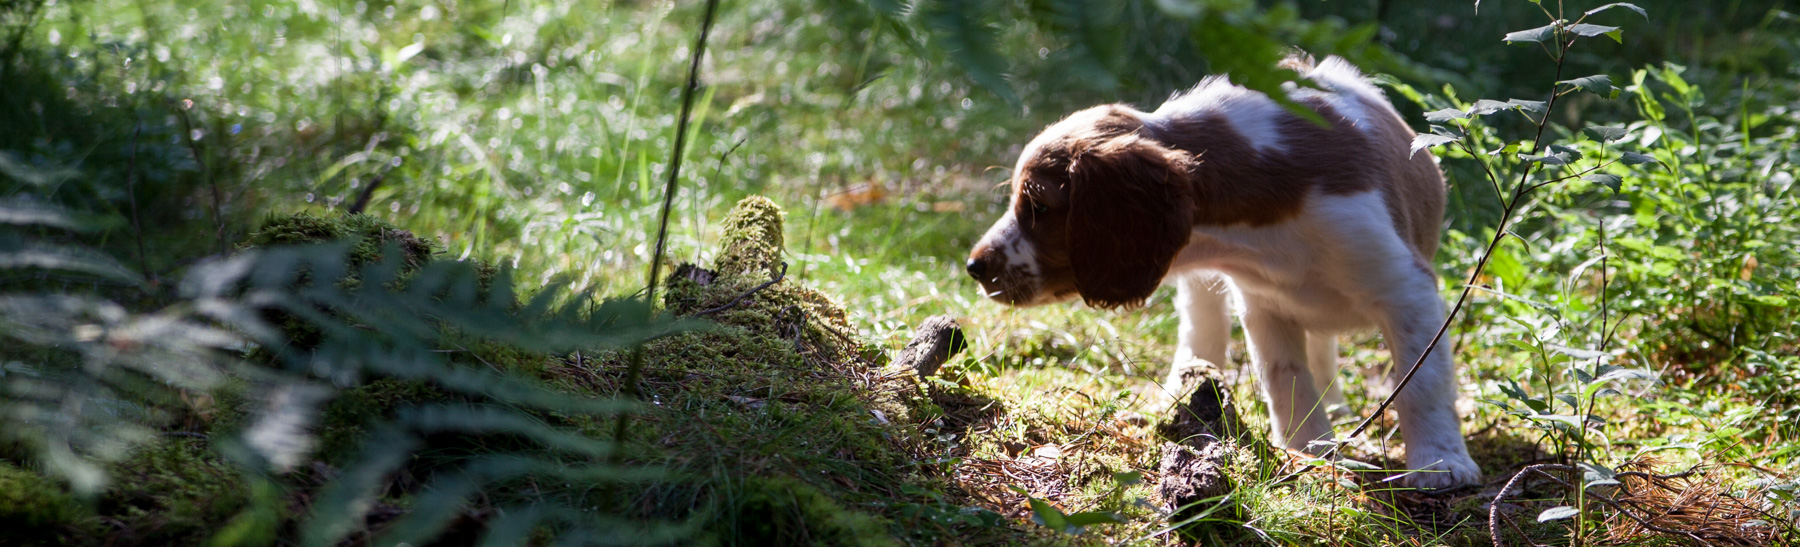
{"points": [[1274, 160]]}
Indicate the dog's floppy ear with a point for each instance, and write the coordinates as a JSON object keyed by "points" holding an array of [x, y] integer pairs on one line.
{"points": [[1130, 212]]}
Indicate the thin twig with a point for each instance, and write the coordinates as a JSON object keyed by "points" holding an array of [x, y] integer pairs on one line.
{"points": [[137, 225], [636, 368], [218, 199], [362, 199], [779, 275]]}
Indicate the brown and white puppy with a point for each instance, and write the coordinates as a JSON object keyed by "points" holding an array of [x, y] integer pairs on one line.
{"points": [[1320, 230]]}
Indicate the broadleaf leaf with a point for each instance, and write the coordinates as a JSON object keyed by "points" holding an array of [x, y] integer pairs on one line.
{"points": [[1610, 181], [1428, 140], [1557, 513], [1629, 6], [1598, 84], [1607, 133], [1541, 34], [1588, 30], [1487, 106], [1535, 107], [1445, 115]]}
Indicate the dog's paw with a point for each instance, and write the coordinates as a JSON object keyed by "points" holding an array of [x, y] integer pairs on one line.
{"points": [[1442, 470]]}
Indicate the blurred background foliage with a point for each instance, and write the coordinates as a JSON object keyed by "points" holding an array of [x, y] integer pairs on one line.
{"points": [[532, 135]]}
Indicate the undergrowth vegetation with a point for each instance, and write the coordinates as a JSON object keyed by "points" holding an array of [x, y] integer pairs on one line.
{"points": [[280, 272]]}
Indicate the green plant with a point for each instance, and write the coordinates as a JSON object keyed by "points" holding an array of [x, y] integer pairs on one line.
{"points": [[392, 324], [1563, 191], [1130, 49], [1515, 170]]}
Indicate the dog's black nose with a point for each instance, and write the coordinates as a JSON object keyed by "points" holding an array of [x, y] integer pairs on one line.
{"points": [[976, 267]]}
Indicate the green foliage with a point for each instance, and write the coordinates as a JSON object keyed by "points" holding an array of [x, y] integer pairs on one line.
{"points": [[176, 492], [1136, 48], [376, 339], [529, 134], [36, 510], [1654, 232], [785, 511], [86, 378], [383, 335]]}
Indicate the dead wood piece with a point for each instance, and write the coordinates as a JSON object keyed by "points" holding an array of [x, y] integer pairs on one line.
{"points": [[934, 342], [1193, 479], [1204, 429], [775, 276], [700, 276], [1206, 412]]}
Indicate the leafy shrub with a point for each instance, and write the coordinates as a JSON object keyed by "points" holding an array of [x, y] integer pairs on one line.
{"points": [[1653, 229]]}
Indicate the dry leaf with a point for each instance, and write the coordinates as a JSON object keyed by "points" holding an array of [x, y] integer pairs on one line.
{"points": [[858, 196]]}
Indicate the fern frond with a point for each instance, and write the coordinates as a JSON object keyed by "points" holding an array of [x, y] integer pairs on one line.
{"points": [[19, 254], [969, 40]]}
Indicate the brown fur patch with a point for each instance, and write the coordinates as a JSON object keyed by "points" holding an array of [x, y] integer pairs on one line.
{"points": [[1128, 223]]}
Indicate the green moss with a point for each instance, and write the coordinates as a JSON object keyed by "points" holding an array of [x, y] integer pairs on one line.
{"points": [[371, 235], [752, 240], [786, 511], [476, 352], [37, 511], [172, 493], [782, 386], [352, 411]]}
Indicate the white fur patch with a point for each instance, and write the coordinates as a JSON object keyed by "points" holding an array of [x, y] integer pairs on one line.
{"points": [[1350, 94], [1018, 251], [1253, 115], [1340, 76], [1019, 271]]}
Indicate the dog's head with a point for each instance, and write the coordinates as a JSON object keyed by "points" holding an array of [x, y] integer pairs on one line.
{"points": [[1099, 210]]}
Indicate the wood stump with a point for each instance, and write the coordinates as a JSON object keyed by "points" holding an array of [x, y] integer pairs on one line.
{"points": [[1202, 432]]}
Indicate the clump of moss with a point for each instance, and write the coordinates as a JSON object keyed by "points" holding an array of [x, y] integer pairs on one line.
{"points": [[172, 493], [803, 436], [37, 511], [750, 253], [786, 511], [346, 419], [371, 234], [752, 242], [369, 237]]}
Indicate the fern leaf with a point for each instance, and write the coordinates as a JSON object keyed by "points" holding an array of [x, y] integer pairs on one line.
{"points": [[970, 43]]}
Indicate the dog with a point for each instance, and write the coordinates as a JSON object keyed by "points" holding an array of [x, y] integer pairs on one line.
{"points": [[1319, 228]]}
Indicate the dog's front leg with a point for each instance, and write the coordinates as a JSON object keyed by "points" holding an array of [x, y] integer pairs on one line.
{"points": [[1321, 357], [1278, 351], [1203, 302]]}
